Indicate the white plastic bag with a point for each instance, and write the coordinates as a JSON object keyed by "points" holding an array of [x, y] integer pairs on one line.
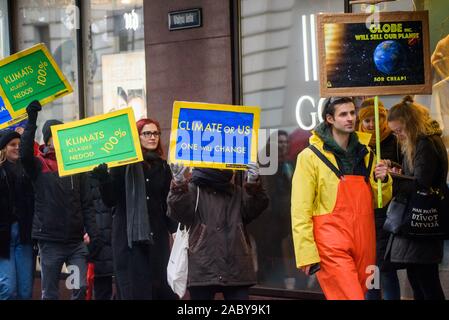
{"points": [[178, 264]]}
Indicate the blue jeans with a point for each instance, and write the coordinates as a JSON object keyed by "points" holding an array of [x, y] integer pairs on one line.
{"points": [[16, 273], [52, 257], [390, 289]]}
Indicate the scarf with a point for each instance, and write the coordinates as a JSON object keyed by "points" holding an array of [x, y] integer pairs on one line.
{"points": [[348, 159], [138, 223], [219, 180], [385, 131]]}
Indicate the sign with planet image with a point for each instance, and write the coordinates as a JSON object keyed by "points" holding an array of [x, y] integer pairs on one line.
{"points": [[360, 56]]}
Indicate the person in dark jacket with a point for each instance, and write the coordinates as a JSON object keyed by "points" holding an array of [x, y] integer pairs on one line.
{"points": [[63, 212], [217, 211], [103, 268], [390, 150], [425, 160], [16, 214], [141, 230]]}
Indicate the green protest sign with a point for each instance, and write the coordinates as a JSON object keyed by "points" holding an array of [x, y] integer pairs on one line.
{"points": [[30, 75], [111, 138]]}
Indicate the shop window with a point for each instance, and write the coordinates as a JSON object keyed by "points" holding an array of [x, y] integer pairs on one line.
{"points": [[4, 32], [52, 22], [280, 74], [114, 56]]}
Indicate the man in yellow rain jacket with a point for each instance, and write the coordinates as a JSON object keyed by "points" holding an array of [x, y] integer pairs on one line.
{"points": [[333, 193]]}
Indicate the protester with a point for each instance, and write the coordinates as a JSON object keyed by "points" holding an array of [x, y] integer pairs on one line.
{"points": [[217, 211], [63, 211], [275, 254], [16, 215], [332, 203], [141, 229], [102, 264], [389, 150], [425, 160]]}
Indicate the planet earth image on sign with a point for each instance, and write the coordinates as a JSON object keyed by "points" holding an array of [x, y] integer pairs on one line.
{"points": [[387, 56]]}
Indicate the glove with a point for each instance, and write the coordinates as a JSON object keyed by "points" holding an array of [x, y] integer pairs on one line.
{"points": [[253, 173], [33, 108], [178, 172], [100, 173]]}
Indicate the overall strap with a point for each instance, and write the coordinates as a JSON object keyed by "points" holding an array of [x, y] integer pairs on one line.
{"points": [[370, 165], [327, 162]]}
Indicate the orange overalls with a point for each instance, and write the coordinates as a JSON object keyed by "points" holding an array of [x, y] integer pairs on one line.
{"points": [[346, 238]]}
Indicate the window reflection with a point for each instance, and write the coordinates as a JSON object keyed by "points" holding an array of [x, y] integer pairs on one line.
{"points": [[53, 23], [115, 68]]}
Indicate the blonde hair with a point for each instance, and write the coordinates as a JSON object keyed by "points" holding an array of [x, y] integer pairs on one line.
{"points": [[2, 155], [416, 119]]}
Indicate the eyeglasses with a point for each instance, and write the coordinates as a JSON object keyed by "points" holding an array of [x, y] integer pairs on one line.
{"points": [[149, 134]]}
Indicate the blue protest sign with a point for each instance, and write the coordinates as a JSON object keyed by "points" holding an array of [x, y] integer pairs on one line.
{"points": [[214, 136]]}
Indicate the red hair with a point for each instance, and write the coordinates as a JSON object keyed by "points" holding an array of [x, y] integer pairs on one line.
{"points": [[142, 123]]}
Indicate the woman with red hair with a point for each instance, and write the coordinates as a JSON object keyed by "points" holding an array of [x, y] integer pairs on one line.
{"points": [[141, 228]]}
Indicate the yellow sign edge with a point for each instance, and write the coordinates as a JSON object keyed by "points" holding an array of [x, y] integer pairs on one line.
{"points": [[62, 78], [177, 105], [135, 137]]}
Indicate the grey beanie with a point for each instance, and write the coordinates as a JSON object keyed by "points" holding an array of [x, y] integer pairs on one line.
{"points": [[46, 131]]}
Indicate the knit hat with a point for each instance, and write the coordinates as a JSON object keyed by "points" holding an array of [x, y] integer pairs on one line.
{"points": [[46, 131], [366, 111], [6, 136]]}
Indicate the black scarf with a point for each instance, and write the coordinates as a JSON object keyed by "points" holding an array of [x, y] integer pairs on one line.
{"points": [[218, 180]]}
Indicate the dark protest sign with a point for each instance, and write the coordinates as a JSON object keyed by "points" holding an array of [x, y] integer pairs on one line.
{"points": [[30, 75], [360, 56]]}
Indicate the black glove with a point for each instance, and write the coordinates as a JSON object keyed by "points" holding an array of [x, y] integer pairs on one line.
{"points": [[100, 173], [95, 246], [33, 108]]}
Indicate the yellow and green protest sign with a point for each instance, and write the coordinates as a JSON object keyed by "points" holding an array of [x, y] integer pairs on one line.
{"points": [[30, 75], [214, 135], [110, 138]]}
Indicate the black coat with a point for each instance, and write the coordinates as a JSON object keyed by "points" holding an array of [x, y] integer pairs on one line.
{"points": [[430, 169], [141, 271], [219, 249], [390, 150], [16, 203], [103, 215], [63, 209]]}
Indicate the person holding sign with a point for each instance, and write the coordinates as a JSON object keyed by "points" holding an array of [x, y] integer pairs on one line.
{"points": [[332, 204], [63, 211], [390, 150], [217, 211], [141, 229], [16, 215], [425, 159]]}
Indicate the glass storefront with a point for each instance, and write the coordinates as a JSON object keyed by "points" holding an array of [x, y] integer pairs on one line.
{"points": [[280, 74], [54, 24], [4, 29], [113, 61], [115, 56]]}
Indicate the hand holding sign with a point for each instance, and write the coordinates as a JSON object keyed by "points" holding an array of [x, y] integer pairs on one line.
{"points": [[178, 171], [253, 173], [100, 173], [32, 110]]}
